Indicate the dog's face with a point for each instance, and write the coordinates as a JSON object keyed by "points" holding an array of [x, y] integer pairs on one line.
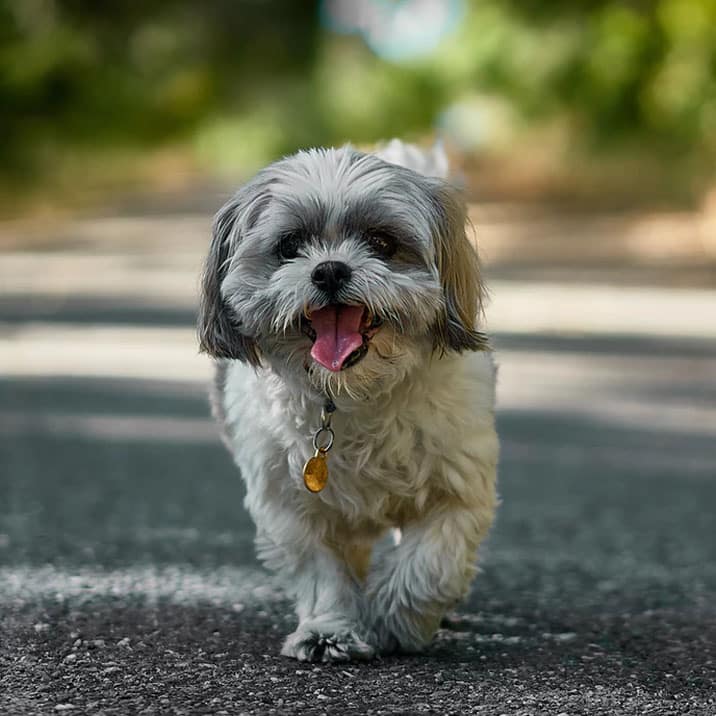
{"points": [[337, 265]]}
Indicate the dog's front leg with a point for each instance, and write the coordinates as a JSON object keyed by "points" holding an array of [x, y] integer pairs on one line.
{"points": [[414, 583], [329, 600]]}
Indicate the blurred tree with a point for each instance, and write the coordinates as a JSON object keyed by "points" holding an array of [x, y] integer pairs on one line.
{"points": [[624, 77], [246, 80], [89, 73], [638, 69]]}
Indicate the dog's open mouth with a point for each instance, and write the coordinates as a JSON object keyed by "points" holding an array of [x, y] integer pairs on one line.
{"points": [[340, 333]]}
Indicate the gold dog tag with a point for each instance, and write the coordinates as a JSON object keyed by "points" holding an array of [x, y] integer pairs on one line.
{"points": [[315, 472]]}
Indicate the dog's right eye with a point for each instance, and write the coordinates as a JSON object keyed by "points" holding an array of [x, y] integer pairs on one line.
{"points": [[289, 244]]}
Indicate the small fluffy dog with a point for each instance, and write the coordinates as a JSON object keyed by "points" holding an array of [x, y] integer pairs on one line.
{"points": [[340, 299]]}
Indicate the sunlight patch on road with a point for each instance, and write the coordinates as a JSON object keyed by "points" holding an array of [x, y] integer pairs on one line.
{"points": [[223, 586], [56, 349], [168, 280], [638, 392], [112, 428], [534, 308]]}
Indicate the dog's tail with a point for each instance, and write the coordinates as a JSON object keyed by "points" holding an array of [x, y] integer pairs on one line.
{"points": [[431, 162]]}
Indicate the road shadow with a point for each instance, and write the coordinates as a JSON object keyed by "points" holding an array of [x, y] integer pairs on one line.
{"points": [[17, 309], [116, 471], [605, 344]]}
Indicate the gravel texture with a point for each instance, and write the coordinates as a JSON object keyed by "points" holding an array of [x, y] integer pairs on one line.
{"points": [[113, 652]]}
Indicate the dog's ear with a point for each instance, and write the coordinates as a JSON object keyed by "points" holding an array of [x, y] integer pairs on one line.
{"points": [[459, 269], [219, 328]]}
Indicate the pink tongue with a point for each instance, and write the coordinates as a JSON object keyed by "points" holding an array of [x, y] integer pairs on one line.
{"points": [[337, 334]]}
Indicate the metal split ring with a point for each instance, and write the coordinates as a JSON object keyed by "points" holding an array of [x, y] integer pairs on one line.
{"points": [[316, 439]]}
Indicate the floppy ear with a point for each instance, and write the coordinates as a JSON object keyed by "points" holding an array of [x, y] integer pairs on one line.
{"points": [[459, 269], [219, 328]]}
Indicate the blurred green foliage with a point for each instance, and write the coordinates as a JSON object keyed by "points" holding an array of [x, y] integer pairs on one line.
{"points": [[644, 69], [245, 80], [88, 73]]}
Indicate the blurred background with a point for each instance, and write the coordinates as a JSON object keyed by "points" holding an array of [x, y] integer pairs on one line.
{"points": [[584, 135], [580, 99]]}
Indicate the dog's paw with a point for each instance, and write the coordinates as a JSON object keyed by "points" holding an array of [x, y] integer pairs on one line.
{"points": [[313, 643]]}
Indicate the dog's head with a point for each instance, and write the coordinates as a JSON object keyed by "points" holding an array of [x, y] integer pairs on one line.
{"points": [[341, 266]]}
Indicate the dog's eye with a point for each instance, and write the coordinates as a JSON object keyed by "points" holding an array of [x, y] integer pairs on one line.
{"points": [[381, 243], [289, 244]]}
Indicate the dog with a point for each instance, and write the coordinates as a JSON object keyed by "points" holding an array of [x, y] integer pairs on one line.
{"points": [[340, 298]]}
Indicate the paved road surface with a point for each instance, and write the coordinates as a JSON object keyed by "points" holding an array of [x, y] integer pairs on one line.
{"points": [[127, 577]]}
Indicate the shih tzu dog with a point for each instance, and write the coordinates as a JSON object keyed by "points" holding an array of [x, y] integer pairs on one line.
{"points": [[340, 300]]}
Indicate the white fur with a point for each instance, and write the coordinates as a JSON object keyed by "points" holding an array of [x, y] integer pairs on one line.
{"points": [[415, 449], [432, 163], [421, 457]]}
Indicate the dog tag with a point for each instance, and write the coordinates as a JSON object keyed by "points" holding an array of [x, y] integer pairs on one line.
{"points": [[315, 472]]}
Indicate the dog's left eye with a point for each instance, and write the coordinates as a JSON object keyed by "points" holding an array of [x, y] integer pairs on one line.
{"points": [[381, 243], [289, 245]]}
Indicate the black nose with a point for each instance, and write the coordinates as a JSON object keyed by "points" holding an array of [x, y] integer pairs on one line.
{"points": [[330, 276]]}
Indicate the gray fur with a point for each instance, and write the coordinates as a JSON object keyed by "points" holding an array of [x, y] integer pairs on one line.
{"points": [[216, 401], [429, 290], [220, 332]]}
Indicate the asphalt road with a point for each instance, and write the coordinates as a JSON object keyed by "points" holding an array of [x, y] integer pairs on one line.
{"points": [[127, 577]]}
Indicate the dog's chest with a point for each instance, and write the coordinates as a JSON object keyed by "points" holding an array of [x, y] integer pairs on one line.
{"points": [[378, 448], [390, 459], [380, 468]]}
